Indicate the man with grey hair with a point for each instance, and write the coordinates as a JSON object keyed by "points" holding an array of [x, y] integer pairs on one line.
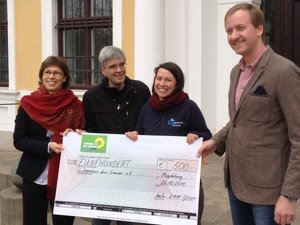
{"points": [[114, 105]]}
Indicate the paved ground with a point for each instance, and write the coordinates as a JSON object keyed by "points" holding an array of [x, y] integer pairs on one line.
{"points": [[216, 209]]}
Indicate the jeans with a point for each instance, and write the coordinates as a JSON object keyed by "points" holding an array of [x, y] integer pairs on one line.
{"points": [[107, 222], [244, 213]]}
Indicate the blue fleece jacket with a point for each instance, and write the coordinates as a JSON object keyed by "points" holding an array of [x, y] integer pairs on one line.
{"points": [[176, 121]]}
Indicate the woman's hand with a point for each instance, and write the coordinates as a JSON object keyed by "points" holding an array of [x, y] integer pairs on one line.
{"points": [[54, 147], [78, 131], [132, 135], [190, 138]]}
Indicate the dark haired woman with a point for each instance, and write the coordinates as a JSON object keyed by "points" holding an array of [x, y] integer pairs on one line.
{"points": [[169, 111], [41, 117]]}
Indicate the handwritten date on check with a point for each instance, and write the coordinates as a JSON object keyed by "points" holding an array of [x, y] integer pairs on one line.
{"points": [[153, 180]]}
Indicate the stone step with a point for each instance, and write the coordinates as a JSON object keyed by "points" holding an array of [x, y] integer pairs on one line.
{"points": [[11, 206], [7, 161], [8, 156], [10, 195], [6, 141]]}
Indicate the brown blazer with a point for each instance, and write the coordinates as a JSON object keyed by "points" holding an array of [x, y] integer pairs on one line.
{"points": [[262, 138]]}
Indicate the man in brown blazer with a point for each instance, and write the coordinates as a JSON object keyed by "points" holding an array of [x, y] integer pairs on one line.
{"points": [[262, 138]]}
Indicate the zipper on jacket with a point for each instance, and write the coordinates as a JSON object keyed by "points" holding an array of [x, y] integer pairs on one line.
{"points": [[162, 123]]}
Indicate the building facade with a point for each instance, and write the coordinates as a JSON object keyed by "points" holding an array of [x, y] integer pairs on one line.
{"points": [[190, 33]]}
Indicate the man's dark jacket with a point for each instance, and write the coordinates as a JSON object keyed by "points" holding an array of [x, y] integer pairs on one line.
{"points": [[109, 110]]}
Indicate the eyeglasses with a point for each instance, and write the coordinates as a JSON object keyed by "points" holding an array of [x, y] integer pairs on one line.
{"points": [[121, 65], [55, 74]]}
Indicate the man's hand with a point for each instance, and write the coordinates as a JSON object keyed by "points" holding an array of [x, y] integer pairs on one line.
{"points": [[285, 211], [132, 135]]}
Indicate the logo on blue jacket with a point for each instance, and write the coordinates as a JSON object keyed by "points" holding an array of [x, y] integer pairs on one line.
{"points": [[173, 123]]}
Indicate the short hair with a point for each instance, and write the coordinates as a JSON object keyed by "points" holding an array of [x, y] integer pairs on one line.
{"points": [[58, 62], [110, 52], [177, 73], [256, 15]]}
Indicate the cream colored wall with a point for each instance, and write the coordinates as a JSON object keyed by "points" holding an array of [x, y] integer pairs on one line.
{"points": [[28, 43], [128, 34]]}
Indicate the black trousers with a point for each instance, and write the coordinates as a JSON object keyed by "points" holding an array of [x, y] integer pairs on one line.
{"points": [[35, 206]]}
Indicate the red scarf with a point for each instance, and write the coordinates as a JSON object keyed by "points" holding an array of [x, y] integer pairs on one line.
{"points": [[168, 102], [55, 112]]}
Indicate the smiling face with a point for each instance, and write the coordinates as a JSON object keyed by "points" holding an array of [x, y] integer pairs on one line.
{"points": [[243, 37], [53, 79], [164, 83], [115, 70]]}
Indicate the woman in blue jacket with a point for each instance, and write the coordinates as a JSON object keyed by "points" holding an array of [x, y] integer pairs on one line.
{"points": [[169, 111]]}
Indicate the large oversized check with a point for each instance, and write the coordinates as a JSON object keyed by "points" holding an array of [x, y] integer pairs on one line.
{"points": [[153, 180]]}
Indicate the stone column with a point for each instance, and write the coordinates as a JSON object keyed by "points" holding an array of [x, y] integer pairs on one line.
{"points": [[149, 35], [226, 59]]}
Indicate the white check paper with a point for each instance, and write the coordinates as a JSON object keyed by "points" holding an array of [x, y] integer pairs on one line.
{"points": [[107, 176]]}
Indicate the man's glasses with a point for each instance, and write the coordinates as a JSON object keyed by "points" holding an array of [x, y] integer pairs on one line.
{"points": [[56, 74], [121, 65]]}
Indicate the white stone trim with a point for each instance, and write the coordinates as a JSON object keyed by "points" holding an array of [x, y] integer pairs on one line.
{"points": [[11, 44], [49, 33], [8, 100], [117, 23]]}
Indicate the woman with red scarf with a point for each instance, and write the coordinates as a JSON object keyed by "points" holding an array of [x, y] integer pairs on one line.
{"points": [[41, 117], [169, 111]]}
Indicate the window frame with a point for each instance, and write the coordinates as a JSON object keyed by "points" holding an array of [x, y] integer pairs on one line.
{"points": [[3, 28], [88, 24]]}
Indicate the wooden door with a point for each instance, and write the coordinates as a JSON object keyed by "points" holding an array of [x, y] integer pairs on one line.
{"points": [[287, 29]]}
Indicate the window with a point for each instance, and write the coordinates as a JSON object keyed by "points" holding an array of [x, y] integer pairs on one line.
{"points": [[84, 27], [3, 44]]}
